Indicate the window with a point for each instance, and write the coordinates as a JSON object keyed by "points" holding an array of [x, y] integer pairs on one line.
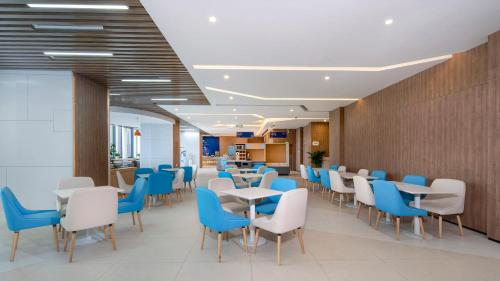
{"points": [[124, 141]]}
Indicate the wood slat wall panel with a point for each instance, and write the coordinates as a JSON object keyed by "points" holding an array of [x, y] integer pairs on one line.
{"points": [[91, 129], [431, 124]]}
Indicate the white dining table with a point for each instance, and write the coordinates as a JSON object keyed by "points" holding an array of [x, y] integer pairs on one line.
{"points": [[247, 170], [249, 177], [145, 176], [170, 169], [350, 176], [418, 191], [252, 194], [66, 193]]}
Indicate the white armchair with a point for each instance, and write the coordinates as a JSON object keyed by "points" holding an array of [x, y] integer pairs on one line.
{"points": [[290, 215], [178, 183], [90, 208], [363, 172], [267, 179], [70, 183], [338, 185], [364, 195], [445, 205], [229, 203], [342, 169], [195, 174], [303, 175], [122, 184]]}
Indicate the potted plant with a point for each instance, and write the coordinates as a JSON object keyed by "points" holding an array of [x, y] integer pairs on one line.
{"points": [[317, 158]]}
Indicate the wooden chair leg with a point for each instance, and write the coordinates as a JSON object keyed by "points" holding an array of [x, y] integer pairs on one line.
{"points": [[369, 215], [359, 210], [256, 240], [422, 231], [460, 228], [15, 240], [203, 237], [133, 218], [66, 238], [398, 221], [301, 239], [440, 227], [72, 246], [377, 221], [278, 249], [140, 221], [104, 230], [219, 242], [112, 236], [245, 242], [56, 238]]}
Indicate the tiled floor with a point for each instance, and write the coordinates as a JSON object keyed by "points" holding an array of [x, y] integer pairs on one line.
{"points": [[338, 247]]}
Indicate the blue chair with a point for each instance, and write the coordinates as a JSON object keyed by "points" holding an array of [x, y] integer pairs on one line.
{"points": [[19, 218], [266, 170], [188, 176], [312, 178], [160, 184], [389, 200], [134, 202], [324, 176], [334, 167], [416, 180], [379, 174], [256, 166], [164, 166], [216, 219], [141, 171], [269, 204]]}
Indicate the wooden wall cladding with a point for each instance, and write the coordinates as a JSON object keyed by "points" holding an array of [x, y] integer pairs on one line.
{"points": [[176, 144], [291, 139], [319, 133], [91, 125], [433, 124], [336, 136]]}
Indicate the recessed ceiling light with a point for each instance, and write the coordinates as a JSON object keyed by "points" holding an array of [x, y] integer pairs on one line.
{"points": [[226, 76], [176, 109], [236, 117], [324, 120], [291, 110], [277, 99], [169, 99], [327, 77], [218, 121], [78, 6], [147, 80], [114, 94], [77, 54], [234, 109], [72, 27], [212, 19], [231, 97], [189, 117], [389, 21]]}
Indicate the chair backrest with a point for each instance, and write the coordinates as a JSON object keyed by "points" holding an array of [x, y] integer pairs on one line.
{"points": [[141, 171], [454, 204], [220, 184], [342, 169], [303, 172], [336, 182], [138, 193], [363, 190], [160, 183], [267, 179], [188, 173], [363, 172], [268, 170], [415, 179], [92, 207], [225, 175], [387, 197], [164, 166], [283, 185], [325, 178], [256, 166], [310, 173], [178, 179], [75, 182], [291, 211], [379, 174], [209, 208], [121, 181], [12, 209], [334, 167], [261, 169]]}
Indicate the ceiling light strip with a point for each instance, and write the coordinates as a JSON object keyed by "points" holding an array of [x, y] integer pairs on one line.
{"points": [[276, 99], [77, 54], [147, 80], [223, 114], [78, 6], [82, 27], [169, 99], [321, 68]]}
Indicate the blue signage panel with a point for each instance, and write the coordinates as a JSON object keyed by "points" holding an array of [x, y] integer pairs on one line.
{"points": [[278, 135], [244, 134]]}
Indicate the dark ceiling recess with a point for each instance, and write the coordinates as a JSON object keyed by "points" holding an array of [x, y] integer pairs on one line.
{"points": [[139, 50]]}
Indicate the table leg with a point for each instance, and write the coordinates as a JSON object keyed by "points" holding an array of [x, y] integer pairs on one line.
{"points": [[416, 225], [252, 217]]}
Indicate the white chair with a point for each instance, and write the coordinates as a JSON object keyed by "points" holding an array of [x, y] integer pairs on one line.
{"points": [[261, 169], [363, 172], [70, 183], [445, 205], [178, 183], [337, 185], [267, 179], [364, 195], [229, 203], [195, 174], [303, 175], [342, 169], [122, 184], [290, 215], [90, 208]]}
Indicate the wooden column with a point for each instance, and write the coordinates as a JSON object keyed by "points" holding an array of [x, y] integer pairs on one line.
{"points": [[336, 140], [91, 129], [176, 144]]}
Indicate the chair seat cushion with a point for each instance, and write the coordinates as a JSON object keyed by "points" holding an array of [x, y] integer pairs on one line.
{"points": [[232, 221], [127, 207], [234, 207], [438, 206], [267, 209], [39, 219]]}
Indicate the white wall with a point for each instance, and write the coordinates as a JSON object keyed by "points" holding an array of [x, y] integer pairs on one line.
{"points": [[36, 145], [156, 144], [190, 142]]}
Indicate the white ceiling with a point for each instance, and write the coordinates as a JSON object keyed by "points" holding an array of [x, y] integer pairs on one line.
{"points": [[331, 33]]}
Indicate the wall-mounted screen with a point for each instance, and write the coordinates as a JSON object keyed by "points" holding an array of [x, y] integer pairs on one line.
{"points": [[210, 146], [278, 135], [244, 134]]}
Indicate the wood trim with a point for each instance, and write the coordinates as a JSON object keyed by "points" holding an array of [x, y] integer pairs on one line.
{"points": [[176, 145]]}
